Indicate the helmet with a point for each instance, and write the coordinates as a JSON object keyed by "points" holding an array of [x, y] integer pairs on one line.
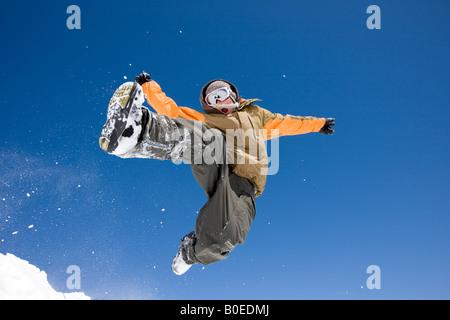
{"points": [[211, 87]]}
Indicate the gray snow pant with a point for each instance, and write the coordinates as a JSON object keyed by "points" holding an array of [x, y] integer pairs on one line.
{"points": [[225, 219]]}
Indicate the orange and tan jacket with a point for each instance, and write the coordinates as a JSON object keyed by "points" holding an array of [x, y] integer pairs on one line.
{"points": [[266, 124]]}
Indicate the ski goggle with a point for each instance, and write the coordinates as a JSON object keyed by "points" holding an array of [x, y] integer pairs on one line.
{"points": [[220, 94]]}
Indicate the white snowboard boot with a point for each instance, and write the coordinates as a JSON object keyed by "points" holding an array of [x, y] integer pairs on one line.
{"points": [[180, 263], [123, 124]]}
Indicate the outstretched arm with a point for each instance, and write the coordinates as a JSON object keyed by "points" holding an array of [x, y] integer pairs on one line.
{"points": [[277, 125], [162, 103]]}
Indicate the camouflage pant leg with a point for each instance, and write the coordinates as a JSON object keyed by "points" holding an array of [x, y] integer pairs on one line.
{"points": [[165, 138]]}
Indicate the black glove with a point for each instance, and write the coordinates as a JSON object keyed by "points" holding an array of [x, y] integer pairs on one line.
{"points": [[327, 127], [143, 78]]}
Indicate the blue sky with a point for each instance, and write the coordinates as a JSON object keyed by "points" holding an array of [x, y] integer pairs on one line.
{"points": [[374, 193]]}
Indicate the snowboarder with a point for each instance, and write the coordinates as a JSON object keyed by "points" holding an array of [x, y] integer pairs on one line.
{"points": [[232, 176]]}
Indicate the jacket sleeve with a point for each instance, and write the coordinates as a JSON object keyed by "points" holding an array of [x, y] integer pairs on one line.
{"points": [[166, 106], [276, 125]]}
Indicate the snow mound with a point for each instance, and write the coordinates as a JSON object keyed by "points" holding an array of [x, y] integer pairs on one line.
{"points": [[20, 280]]}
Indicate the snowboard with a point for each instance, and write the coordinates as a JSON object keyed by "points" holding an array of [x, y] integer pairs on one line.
{"points": [[123, 120]]}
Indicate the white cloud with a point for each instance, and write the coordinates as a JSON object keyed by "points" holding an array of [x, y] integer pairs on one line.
{"points": [[20, 280]]}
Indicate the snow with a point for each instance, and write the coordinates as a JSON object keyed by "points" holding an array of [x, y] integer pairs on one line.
{"points": [[20, 280]]}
